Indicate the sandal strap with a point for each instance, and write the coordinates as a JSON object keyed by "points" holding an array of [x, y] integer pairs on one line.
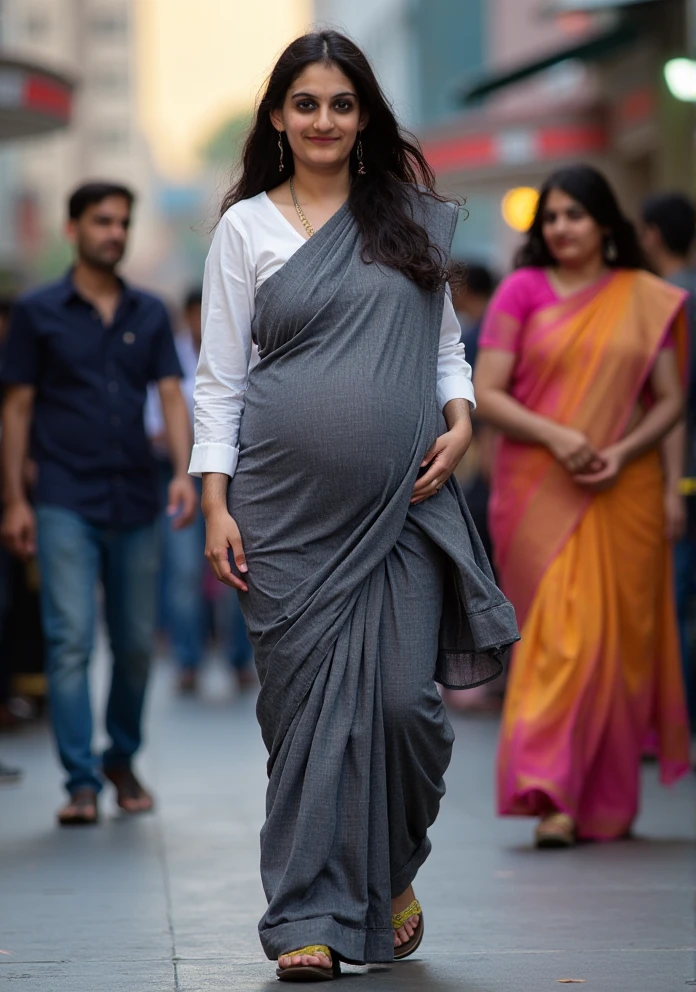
{"points": [[399, 919], [311, 949]]}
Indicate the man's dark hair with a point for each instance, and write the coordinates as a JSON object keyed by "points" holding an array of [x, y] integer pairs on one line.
{"points": [[479, 280], [90, 193], [194, 297], [674, 215]]}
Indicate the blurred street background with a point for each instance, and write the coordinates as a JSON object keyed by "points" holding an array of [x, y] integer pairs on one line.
{"points": [[157, 94]]}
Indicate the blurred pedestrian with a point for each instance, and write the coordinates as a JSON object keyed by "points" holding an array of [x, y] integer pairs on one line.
{"points": [[668, 230], [471, 295], [182, 589], [361, 554], [79, 356], [8, 720], [579, 370]]}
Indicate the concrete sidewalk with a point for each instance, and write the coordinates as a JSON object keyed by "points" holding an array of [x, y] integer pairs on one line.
{"points": [[170, 902]]}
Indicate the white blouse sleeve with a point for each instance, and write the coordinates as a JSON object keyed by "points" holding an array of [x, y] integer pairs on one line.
{"points": [[223, 366], [453, 370]]}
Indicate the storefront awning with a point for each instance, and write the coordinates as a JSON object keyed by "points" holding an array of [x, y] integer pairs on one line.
{"points": [[33, 99], [588, 6], [591, 49]]}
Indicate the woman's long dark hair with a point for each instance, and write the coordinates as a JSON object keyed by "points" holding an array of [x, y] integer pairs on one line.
{"points": [[381, 200], [589, 187]]}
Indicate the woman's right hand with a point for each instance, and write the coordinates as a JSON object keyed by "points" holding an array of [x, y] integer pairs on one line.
{"points": [[572, 449], [221, 534]]}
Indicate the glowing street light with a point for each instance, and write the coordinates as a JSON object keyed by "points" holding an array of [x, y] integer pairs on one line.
{"points": [[680, 75], [519, 207]]}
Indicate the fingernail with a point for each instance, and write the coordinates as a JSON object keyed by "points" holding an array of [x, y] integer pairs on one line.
{"points": [[243, 567]]}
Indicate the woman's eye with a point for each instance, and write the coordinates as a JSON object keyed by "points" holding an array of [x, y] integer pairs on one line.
{"points": [[548, 218], [343, 105], [305, 105]]}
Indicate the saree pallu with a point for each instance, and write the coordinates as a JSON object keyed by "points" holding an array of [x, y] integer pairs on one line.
{"points": [[356, 598], [597, 671]]}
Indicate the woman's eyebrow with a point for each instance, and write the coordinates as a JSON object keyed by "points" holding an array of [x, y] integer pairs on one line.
{"points": [[311, 96]]}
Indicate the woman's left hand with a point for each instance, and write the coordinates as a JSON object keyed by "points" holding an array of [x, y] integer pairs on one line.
{"points": [[442, 459], [613, 462]]}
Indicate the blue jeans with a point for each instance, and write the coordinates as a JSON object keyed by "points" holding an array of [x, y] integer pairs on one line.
{"points": [[685, 588], [184, 613], [73, 556]]}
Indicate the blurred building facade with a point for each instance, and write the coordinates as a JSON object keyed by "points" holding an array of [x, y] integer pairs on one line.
{"points": [[93, 43], [501, 92]]}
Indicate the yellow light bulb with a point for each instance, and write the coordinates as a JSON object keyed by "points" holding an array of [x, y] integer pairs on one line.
{"points": [[519, 206]]}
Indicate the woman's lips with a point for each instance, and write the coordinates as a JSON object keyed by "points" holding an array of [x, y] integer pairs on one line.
{"points": [[322, 141]]}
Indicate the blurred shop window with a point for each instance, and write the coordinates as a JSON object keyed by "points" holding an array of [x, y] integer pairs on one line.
{"points": [[37, 25], [111, 139], [111, 82], [109, 26]]}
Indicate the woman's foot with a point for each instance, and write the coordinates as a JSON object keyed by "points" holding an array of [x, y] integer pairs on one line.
{"points": [[555, 830], [404, 933], [308, 964]]}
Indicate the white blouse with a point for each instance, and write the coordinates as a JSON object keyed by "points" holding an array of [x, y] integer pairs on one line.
{"points": [[252, 241]]}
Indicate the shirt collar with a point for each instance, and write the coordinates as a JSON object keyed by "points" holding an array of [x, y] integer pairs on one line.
{"points": [[68, 290]]}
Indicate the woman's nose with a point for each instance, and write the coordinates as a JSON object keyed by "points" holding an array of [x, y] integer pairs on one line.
{"points": [[323, 121]]}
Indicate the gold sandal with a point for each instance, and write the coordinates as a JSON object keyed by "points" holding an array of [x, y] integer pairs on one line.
{"points": [[412, 944], [556, 830], [310, 972]]}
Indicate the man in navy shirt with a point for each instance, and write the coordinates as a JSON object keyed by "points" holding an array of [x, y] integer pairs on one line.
{"points": [[79, 357]]}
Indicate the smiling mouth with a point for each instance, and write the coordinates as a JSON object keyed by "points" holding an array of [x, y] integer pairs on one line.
{"points": [[322, 141]]}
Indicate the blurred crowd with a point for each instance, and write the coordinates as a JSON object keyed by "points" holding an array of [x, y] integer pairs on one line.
{"points": [[195, 615]]}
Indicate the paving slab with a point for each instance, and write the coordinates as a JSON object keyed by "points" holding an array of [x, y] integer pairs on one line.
{"points": [[171, 901]]}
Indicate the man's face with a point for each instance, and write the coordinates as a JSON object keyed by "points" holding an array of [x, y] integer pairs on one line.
{"points": [[650, 240], [192, 316], [100, 235]]}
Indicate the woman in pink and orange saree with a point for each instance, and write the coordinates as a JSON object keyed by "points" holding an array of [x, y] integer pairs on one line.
{"points": [[579, 369]]}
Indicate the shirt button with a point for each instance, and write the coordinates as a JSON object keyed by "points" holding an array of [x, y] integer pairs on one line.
{"points": [[113, 386], [129, 337]]}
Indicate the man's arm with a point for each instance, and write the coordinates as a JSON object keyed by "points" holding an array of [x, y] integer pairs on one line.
{"points": [[182, 500], [18, 521]]}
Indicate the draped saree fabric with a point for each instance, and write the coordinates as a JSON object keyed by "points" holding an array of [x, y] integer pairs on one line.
{"points": [[590, 574], [354, 595]]}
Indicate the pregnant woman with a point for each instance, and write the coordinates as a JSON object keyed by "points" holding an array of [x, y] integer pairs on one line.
{"points": [[327, 471], [578, 368]]}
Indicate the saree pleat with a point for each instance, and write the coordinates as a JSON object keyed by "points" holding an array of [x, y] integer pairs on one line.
{"points": [[354, 596], [597, 671]]}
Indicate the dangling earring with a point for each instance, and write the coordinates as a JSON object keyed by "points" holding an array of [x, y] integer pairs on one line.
{"points": [[359, 153], [611, 252], [281, 164]]}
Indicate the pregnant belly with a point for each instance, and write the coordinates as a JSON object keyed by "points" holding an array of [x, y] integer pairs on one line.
{"points": [[336, 432]]}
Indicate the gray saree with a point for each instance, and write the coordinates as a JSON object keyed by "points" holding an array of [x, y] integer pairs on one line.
{"points": [[357, 600]]}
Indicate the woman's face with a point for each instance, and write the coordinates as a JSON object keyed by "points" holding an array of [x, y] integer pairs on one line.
{"points": [[573, 237], [321, 117]]}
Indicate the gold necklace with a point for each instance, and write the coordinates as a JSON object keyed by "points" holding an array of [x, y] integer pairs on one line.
{"points": [[300, 212]]}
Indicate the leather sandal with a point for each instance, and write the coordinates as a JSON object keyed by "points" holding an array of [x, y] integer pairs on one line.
{"points": [[556, 830], [129, 790], [413, 943], [81, 810], [310, 972]]}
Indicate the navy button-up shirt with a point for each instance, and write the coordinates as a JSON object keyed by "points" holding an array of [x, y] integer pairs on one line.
{"points": [[88, 435]]}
